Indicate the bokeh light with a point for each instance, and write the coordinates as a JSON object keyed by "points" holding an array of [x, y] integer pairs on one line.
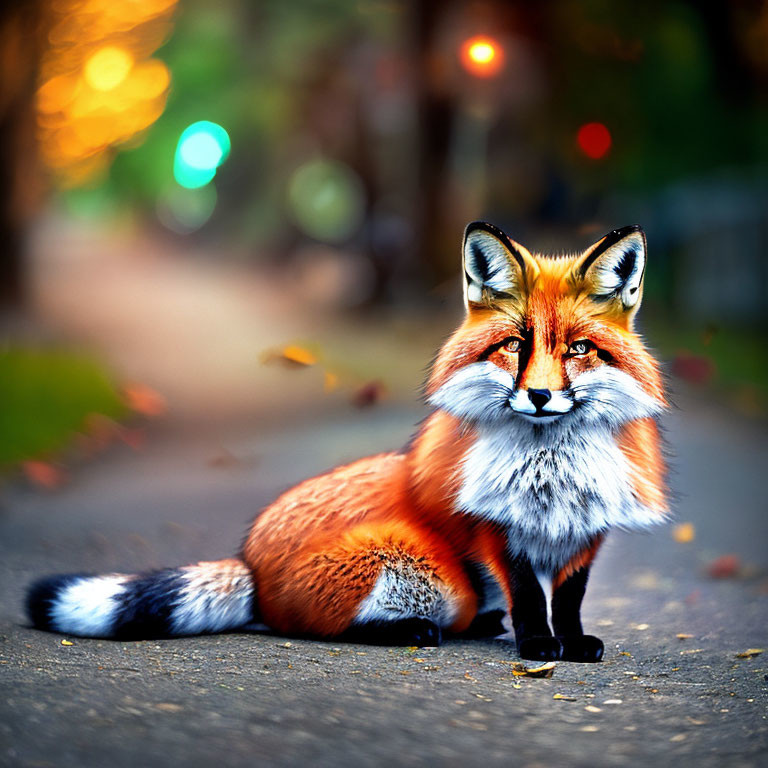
{"points": [[201, 149], [326, 199], [99, 88], [594, 140], [184, 210], [482, 56], [107, 68]]}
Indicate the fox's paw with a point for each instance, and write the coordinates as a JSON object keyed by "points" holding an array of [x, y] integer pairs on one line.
{"points": [[540, 648], [415, 631], [420, 632], [583, 648]]}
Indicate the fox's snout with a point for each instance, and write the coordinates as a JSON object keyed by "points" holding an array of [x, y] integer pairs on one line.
{"points": [[540, 403], [539, 397]]}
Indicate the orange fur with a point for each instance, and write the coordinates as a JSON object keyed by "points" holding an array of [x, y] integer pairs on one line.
{"points": [[581, 560]]}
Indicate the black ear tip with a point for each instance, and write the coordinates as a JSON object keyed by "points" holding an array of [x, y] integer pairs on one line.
{"points": [[628, 230], [484, 226]]}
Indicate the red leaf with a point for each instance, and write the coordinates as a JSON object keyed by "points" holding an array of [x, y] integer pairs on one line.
{"points": [[724, 567]]}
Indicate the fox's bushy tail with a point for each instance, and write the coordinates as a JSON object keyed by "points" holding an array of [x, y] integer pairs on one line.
{"points": [[191, 600]]}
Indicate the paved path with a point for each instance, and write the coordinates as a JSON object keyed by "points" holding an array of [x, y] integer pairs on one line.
{"points": [[251, 700]]}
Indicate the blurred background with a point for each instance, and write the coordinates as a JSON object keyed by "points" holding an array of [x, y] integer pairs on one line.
{"points": [[245, 211]]}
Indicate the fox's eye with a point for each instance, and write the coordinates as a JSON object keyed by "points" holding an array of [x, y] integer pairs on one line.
{"points": [[513, 345], [580, 347]]}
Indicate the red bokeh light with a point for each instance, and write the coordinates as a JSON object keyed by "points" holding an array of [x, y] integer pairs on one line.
{"points": [[594, 140], [482, 56]]}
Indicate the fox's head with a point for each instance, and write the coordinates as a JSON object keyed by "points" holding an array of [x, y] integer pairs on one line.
{"points": [[548, 340]]}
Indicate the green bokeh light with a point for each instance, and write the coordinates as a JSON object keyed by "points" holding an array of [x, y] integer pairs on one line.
{"points": [[201, 149], [326, 199], [185, 210]]}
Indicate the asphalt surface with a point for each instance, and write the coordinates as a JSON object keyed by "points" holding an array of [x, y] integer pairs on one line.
{"points": [[256, 699]]}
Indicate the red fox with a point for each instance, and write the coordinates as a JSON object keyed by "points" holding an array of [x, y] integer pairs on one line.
{"points": [[542, 437]]}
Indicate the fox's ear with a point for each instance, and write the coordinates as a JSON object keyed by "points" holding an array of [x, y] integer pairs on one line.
{"points": [[612, 269], [495, 267]]}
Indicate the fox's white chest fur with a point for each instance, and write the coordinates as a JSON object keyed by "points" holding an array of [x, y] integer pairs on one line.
{"points": [[552, 489]]}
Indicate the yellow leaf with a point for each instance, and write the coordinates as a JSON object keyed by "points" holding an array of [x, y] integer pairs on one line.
{"points": [[684, 533], [67, 642], [298, 355], [683, 636], [544, 670], [560, 697], [330, 381], [749, 653]]}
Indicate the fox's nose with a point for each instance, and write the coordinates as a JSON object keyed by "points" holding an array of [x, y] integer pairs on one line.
{"points": [[539, 397]]}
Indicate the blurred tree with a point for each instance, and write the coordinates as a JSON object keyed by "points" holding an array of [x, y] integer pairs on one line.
{"points": [[22, 33]]}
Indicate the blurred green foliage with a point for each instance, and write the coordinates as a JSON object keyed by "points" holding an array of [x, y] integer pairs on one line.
{"points": [[46, 398], [245, 67]]}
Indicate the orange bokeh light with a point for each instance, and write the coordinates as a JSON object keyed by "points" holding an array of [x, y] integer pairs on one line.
{"points": [[107, 68], [482, 56], [99, 88]]}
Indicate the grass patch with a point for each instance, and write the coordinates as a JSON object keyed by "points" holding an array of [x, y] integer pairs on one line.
{"points": [[45, 397]]}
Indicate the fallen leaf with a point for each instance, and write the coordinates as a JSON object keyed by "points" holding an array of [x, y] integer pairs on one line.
{"points": [[592, 708], [684, 533], [330, 381], [291, 355], [369, 394], [544, 670], [134, 438], [679, 737], [589, 728], [144, 400], [696, 369], [164, 706], [625, 653], [692, 650], [613, 701], [641, 627], [225, 459], [481, 697], [561, 697], [297, 355], [99, 432], [724, 567], [67, 642], [749, 653], [683, 636], [43, 474]]}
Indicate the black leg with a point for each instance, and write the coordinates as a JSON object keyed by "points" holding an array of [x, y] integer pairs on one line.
{"points": [[415, 631], [566, 620], [489, 624], [529, 615]]}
